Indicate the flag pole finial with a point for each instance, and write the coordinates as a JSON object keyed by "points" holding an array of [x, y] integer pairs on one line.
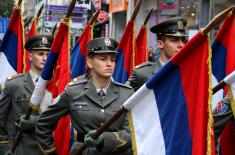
{"points": [[19, 2], [40, 11], [148, 16], [136, 10], [95, 16], [70, 9], [217, 20]]}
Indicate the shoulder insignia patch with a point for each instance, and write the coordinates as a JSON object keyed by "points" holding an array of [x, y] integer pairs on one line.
{"points": [[147, 63], [14, 76], [221, 108]]}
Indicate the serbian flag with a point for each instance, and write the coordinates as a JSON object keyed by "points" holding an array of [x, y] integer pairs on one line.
{"points": [[124, 59], [171, 113], [12, 47], [79, 52], [223, 63], [57, 64], [141, 46]]}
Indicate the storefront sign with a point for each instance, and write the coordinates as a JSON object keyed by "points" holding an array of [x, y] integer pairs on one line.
{"points": [[169, 7], [3, 24], [117, 5]]}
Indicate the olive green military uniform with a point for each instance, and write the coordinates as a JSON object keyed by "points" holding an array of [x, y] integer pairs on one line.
{"points": [[142, 73], [88, 111], [13, 104], [173, 27], [222, 115]]}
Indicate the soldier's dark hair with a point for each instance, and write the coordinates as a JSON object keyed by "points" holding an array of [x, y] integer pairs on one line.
{"points": [[161, 37]]}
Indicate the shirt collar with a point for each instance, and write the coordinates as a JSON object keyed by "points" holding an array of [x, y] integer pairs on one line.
{"points": [[104, 89], [34, 76]]}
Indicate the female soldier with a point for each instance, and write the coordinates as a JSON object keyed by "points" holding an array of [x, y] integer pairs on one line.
{"points": [[90, 102]]}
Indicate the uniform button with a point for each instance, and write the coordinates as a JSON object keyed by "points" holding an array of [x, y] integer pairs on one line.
{"points": [[80, 106], [102, 110]]}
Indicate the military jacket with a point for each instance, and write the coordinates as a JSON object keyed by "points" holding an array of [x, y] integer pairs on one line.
{"points": [[142, 73], [88, 111], [14, 103], [222, 115]]}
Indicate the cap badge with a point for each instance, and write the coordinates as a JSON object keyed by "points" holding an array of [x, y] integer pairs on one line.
{"points": [[180, 25], [44, 40], [107, 42]]}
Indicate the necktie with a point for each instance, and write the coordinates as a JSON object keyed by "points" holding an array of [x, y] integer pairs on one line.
{"points": [[101, 93]]}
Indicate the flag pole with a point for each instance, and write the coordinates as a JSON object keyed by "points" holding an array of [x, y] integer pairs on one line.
{"points": [[95, 16], [217, 20], [54, 29], [19, 2], [30, 109], [148, 17], [40, 11], [103, 127], [136, 10], [28, 20], [221, 85]]}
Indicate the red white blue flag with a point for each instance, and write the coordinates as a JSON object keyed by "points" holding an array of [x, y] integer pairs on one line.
{"points": [[223, 63], [12, 47], [79, 52], [171, 113], [124, 59]]}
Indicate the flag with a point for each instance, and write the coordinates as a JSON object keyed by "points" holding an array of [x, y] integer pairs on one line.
{"points": [[32, 32], [57, 64], [223, 63], [171, 113], [141, 46], [79, 52], [124, 59], [33, 29], [12, 47]]}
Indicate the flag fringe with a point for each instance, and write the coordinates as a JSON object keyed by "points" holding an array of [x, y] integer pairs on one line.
{"points": [[210, 118], [232, 101], [133, 139]]}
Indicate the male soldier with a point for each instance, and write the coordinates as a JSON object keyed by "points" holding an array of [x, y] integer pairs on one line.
{"points": [[171, 37], [222, 115], [16, 96]]}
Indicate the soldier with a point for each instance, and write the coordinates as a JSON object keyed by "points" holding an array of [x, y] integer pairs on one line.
{"points": [[90, 102], [16, 96], [222, 115], [171, 37]]}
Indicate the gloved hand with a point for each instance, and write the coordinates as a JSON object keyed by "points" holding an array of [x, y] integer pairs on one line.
{"points": [[89, 141], [9, 153], [27, 124]]}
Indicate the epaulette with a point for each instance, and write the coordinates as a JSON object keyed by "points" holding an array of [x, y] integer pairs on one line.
{"points": [[147, 63], [77, 82], [81, 77], [123, 85], [14, 76]]}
